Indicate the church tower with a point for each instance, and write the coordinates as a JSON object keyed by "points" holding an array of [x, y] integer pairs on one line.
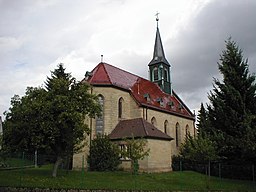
{"points": [[159, 67]]}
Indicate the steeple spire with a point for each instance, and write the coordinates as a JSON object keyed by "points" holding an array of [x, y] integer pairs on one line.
{"points": [[158, 55], [159, 67]]}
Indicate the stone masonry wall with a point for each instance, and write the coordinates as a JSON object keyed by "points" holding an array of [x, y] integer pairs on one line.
{"points": [[132, 110], [159, 159], [171, 128]]}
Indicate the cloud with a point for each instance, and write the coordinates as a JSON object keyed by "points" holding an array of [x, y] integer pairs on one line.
{"points": [[195, 51], [36, 36], [10, 43]]}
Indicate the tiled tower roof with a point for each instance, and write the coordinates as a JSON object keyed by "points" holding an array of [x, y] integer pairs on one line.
{"points": [[158, 56]]}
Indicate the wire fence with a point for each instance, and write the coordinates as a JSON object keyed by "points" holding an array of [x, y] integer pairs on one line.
{"points": [[22, 163], [218, 169], [24, 160], [16, 161]]}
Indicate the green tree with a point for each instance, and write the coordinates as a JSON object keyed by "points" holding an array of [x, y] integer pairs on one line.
{"points": [[136, 150], [200, 149], [233, 105], [202, 119], [22, 129], [52, 117], [104, 155]]}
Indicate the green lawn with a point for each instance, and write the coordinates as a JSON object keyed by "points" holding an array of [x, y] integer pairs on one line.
{"points": [[15, 162], [186, 180]]}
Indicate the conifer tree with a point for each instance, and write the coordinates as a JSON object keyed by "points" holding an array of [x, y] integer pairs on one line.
{"points": [[69, 101], [202, 125], [232, 106]]}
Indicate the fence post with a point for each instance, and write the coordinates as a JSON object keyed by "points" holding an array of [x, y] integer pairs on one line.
{"points": [[253, 178], [82, 178], [36, 158], [209, 168], [219, 170], [180, 165], [22, 166], [83, 165]]}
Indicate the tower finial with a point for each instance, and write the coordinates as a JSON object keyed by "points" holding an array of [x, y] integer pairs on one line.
{"points": [[157, 18]]}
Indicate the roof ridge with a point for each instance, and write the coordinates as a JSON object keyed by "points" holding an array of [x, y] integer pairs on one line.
{"points": [[103, 64], [131, 74], [122, 70], [180, 100]]}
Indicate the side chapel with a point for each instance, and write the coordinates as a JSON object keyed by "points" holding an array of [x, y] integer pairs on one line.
{"points": [[138, 107]]}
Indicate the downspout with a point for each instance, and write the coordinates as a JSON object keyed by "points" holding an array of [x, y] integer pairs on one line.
{"points": [[146, 113], [90, 126], [194, 123]]}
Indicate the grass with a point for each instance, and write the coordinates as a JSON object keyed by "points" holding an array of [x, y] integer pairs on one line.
{"points": [[186, 180], [15, 162]]}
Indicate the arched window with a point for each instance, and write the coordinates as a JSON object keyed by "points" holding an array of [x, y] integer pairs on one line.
{"points": [[166, 127], [153, 121], [155, 71], [165, 74], [177, 134], [100, 118], [120, 107], [187, 130]]}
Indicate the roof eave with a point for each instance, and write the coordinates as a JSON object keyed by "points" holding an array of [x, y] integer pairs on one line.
{"points": [[109, 85], [167, 111], [154, 62], [144, 137]]}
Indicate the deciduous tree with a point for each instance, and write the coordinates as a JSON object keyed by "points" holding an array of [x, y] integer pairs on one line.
{"points": [[136, 150], [200, 149], [51, 117]]}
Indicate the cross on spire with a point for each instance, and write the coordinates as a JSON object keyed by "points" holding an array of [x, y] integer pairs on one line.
{"points": [[157, 18]]}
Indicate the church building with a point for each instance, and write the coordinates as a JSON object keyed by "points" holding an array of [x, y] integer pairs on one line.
{"points": [[133, 106]]}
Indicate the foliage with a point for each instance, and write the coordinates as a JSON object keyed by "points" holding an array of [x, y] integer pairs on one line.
{"points": [[135, 151], [232, 107], [22, 129], [203, 122], [51, 118], [199, 149], [104, 155]]}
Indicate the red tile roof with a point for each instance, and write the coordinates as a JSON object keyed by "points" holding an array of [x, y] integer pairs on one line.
{"points": [[109, 75], [137, 128], [145, 92]]}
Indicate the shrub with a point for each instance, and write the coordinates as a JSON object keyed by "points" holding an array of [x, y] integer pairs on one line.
{"points": [[104, 155]]}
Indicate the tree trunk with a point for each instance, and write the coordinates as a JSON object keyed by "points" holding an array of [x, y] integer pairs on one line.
{"points": [[56, 166]]}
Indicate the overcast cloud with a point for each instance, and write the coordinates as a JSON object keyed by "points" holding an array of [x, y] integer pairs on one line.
{"points": [[37, 35]]}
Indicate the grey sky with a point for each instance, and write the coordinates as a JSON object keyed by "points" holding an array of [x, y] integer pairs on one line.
{"points": [[37, 35]]}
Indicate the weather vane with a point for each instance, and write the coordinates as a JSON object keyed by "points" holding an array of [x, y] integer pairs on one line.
{"points": [[157, 18]]}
